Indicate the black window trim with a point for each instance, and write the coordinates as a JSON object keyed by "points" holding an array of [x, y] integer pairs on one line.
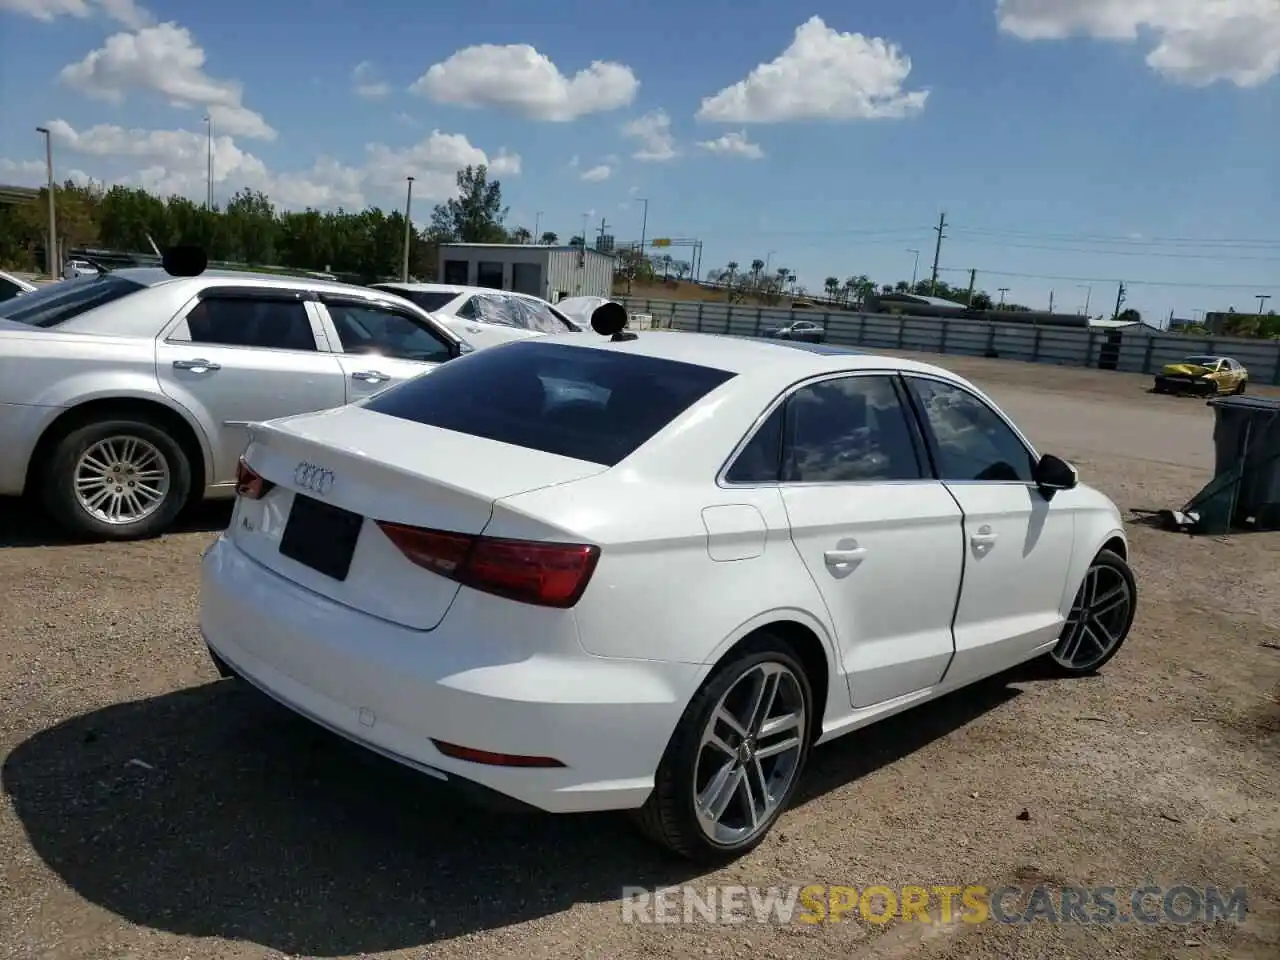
{"points": [[279, 295], [931, 441], [924, 456], [451, 342]]}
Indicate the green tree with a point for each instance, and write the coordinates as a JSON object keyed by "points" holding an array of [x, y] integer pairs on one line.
{"points": [[476, 215], [549, 238]]}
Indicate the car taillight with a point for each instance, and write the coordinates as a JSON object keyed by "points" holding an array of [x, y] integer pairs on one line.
{"points": [[249, 484], [529, 571]]}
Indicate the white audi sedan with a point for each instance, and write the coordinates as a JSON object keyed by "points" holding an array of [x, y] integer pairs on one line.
{"points": [[651, 573]]}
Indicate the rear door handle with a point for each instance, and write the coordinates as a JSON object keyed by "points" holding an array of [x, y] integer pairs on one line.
{"points": [[841, 558], [370, 376], [196, 366]]}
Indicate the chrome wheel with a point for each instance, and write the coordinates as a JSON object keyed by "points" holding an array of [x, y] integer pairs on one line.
{"points": [[749, 754], [121, 480], [1099, 619]]}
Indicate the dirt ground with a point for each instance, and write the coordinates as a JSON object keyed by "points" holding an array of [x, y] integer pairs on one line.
{"points": [[149, 812]]}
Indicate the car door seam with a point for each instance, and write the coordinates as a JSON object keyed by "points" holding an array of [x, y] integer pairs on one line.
{"points": [[964, 569]]}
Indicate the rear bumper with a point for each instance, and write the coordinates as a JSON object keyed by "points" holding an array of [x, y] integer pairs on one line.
{"points": [[394, 690]]}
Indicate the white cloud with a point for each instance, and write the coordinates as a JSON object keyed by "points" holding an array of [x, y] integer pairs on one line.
{"points": [[520, 80], [1196, 42], [733, 145], [123, 11], [597, 173], [170, 162], [823, 74], [653, 134], [366, 84], [165, 60]]}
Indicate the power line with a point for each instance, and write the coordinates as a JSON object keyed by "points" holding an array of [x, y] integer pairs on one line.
{"points": [[1123, 253], [1130, 283], [1136, 241]]}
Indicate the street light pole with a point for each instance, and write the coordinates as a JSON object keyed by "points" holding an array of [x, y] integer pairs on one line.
{"points": [[1003, 291], [537, 223], [408, 222], [1262, 299], [51, 252], [915, 271], [1088, 295]]}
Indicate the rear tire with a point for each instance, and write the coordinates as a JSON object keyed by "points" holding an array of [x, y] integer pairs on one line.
{"points": [[1240, 388], [1101, 616], [708, 765], [116, 479]]}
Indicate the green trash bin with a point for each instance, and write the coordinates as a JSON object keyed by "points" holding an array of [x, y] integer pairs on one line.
{"points": [[1245, 490]]}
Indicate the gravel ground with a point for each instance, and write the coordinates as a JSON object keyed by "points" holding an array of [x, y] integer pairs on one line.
{"points": [[150, 812]]}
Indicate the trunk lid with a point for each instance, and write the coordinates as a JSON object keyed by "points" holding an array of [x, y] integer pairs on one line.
{"points": [[349, 467]]}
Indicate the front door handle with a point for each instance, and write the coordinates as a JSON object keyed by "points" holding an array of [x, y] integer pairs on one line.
{"points": [[983, 539], [842, 558], [196, 366], [370, 376]]}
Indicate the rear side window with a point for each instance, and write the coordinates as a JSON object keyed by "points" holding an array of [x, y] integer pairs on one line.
{"points": [[592, 405], [429, 300], [251, 322], [66, 299]]}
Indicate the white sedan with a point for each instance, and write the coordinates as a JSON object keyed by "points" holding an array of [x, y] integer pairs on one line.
{"points": [[483, 316], [652, 573]]}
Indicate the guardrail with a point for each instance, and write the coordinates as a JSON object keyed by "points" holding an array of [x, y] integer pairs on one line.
{"points": [[1134, 350]]}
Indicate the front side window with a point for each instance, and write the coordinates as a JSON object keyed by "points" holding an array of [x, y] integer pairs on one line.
{"points": [[267, 323], [499, 310], [848, 430], [587, 404], [372, 329], [56, 303], [971, 441], [537, 316]]}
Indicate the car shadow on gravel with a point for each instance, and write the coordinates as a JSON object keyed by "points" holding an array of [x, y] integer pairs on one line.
{"points": [[24, 523], [213, 812]]}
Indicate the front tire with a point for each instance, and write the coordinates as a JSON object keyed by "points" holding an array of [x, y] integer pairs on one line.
{"points": [[736, 757], [1101, 616], [116, 479], [1240, 388]]}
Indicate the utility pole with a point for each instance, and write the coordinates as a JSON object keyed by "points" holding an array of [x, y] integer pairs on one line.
{"points": [[644, 222], [208, 189], [603, 227], [537, 222], [937, 252], [973, 282], [915, 270], [51, 253], [1003, 291], [408, 230], [1051, 301], [1262, 300], [1119, 300]]}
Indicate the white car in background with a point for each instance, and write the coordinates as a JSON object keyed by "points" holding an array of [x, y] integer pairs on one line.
{"points": [[127, 395], [79, 268], [483, 316], [650, 573]]}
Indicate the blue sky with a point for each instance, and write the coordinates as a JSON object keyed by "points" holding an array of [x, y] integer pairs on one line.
{"points": [[1072, 143]]}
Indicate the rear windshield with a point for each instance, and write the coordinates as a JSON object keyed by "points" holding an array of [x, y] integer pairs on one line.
{"points": [[62, 300], [428, 300], [593, 405]]}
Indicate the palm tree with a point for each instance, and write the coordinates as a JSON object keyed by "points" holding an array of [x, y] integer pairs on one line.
{"points": [[833, 286], [549, 238], [757, 268]]}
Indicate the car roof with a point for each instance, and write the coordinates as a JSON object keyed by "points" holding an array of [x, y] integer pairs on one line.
{"points": [[154, 276], [748, 355]]}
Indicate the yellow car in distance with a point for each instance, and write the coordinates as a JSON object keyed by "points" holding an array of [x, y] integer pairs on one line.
{"points": [[1204, 376]]}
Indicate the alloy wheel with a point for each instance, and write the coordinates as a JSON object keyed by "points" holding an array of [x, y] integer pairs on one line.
{"points": [[121, 480], [749, 754], [1098, 620]]}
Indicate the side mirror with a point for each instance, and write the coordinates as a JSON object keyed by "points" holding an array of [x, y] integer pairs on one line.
{"points": [[1052, 474]]}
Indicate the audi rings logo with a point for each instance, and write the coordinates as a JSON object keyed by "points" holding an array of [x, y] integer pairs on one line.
{"points": [[315, 479]]}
